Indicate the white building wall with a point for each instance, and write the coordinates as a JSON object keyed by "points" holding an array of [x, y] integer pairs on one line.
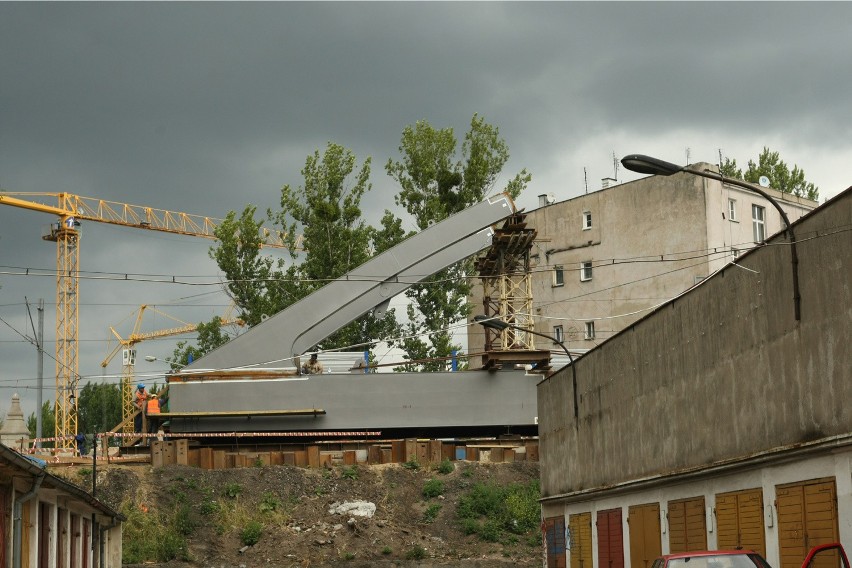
{"points": [[837, 465]]}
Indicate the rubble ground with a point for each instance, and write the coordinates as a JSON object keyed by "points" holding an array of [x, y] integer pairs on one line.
{"points": [[351, 515]]}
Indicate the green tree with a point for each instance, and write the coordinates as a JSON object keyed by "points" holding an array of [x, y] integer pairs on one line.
{"points": [[436, 183], [210, 336], [781, 177], [48, 422], [98, 407], [326, 211]]}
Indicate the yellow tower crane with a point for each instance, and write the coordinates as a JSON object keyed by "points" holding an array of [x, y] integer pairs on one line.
{"points": [[70, 210], [128, 348]]}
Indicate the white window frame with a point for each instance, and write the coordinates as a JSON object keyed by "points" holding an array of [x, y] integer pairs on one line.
{"points": [[587, 220], [758, 223], [585, 271], [589, 330], [735, 253], [558, 334], [732, 210], [558, 275]]}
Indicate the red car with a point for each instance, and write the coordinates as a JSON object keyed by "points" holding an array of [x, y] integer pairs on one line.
{"points": [[824, 556]]}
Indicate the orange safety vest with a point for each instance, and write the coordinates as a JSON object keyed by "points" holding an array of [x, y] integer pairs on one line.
{"points": [[141, 397], [154, 406]]}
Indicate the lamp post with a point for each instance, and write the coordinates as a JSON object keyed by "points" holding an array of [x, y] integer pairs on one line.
{"points": [[647, 165], [500, 325]]}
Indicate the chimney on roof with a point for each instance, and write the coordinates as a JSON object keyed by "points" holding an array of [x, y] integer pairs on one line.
{"points": [[607, 182]]}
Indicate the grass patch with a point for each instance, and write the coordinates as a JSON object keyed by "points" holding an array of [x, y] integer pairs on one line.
{"points": [[445, 467], [495, 513], [431, 513], [433, 488], [349, 472], [251, 533], [151, 537], [416, 552]]}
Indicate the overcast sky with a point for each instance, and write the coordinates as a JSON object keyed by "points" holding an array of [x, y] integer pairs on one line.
{"points": [[206, 107]]}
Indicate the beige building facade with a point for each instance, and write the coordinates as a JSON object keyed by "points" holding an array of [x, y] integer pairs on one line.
{"points": [[718, 420], [604, 259]]}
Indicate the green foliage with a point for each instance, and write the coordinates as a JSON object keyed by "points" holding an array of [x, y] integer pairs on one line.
{"points": [[493, 511], [210, 336], [149, 537], [412, 464], [182, 521], [326, 211], [445, 467], [269, 503], [387, 551], [431, 512], [251, 533], [435, 184], [781, 177], [349, 472], [233, 490], [416, 552], [433, 488], [258, 462], [48, 423], [209, 507], [348, 556], [99, 407]]}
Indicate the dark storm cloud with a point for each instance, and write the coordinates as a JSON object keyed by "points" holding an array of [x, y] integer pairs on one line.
{"points": [[205, 107]]}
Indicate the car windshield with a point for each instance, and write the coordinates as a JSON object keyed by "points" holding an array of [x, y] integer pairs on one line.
{"points": [[717, 561]]}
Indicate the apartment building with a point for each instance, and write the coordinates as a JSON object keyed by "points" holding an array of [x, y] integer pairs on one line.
{"points": [[604, 259]]}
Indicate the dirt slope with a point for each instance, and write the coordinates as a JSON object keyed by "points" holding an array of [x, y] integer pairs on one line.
{"points": [[293, 507]]}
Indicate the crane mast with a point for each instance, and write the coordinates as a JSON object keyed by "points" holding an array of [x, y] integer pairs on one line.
{"points": [[65, 232]]}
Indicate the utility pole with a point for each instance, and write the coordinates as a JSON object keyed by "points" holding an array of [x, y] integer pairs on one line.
{"points": [[39, 341]]}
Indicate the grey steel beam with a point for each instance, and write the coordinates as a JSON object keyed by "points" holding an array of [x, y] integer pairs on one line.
{"points": [[294, 330]]}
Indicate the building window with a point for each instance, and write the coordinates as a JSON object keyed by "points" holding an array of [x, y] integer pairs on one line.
{"points": [[585, 271], [590, 330], [558, 276], [587, 220], [732, 209], [735, 253], [758, 223], [558, 335]]}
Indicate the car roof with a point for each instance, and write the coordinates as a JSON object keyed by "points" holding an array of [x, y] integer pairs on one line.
{"points": [[706, 553]]}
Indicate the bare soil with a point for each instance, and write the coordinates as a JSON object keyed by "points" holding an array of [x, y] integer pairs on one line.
{"points": [[294, 505]]}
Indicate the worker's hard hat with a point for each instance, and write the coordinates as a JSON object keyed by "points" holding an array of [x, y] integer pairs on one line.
{"points": [[140, 386], [153, 396]]}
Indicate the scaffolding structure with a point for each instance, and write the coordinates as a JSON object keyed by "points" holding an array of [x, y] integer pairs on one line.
{"points": [[504, 270]]}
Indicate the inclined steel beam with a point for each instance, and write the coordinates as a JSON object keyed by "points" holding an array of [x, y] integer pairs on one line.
{"points": [[294, 330]]}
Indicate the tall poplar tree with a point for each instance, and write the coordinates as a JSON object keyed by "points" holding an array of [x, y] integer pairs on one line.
{"points": [[436, 182], [780, 176]]}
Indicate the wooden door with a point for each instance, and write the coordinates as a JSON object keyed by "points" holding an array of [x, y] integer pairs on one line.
{"points": [[807, 517], [739, 520], [580, 526], [554, 541], [644, 527], [687, 525], [610, 539]]}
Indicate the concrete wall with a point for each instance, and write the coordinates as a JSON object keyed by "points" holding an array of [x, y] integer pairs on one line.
{"points": [[720, 373]]}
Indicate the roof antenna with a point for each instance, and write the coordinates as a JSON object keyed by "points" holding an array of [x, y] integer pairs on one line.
{"points": [[615, 165], [688, 162], [586, 179]]}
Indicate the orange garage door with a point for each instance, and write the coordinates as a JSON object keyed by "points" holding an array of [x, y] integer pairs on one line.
{"points": [[644, 528], [807, 517], [739, 520], [687, 527]]}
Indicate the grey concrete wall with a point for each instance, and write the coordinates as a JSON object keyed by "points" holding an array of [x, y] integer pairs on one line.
{"points": [[720, 373], [361, 401]]}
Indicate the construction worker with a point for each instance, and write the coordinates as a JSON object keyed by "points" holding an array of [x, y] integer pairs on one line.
{"points": [[313, 366], [140, 401], [152, 411]]}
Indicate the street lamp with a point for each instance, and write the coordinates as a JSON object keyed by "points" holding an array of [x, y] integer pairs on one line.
{"points": [[500, 325], [647, 165]]}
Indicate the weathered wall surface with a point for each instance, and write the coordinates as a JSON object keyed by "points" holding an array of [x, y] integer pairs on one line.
{"points": [[722, 372]]}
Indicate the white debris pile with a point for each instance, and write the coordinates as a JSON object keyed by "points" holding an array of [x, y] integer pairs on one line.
{"points": [[357, 508]]}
